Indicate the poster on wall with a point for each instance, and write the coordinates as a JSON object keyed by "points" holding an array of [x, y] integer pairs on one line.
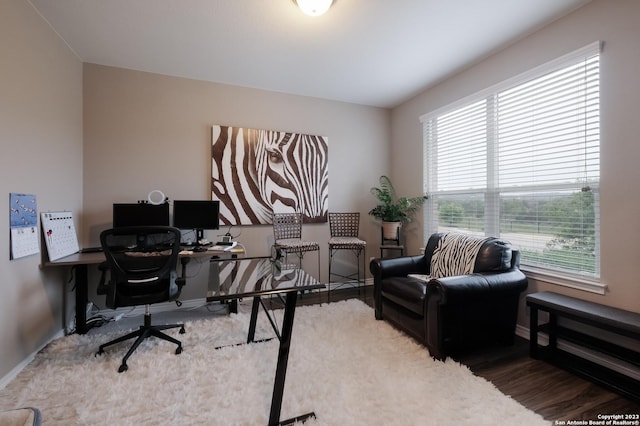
{"points": [[59, 234], [256, 173], [23, 224]]}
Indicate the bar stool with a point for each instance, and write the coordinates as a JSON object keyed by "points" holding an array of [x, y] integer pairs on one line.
{"points": [[287, 233], [344, 228]]}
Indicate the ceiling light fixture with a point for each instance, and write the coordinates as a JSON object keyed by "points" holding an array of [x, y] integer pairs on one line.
{"points": [[314, 7]]}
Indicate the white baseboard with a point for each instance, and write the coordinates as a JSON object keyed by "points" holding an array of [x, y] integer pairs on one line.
{"points": [[353, 283], [155, 308], [5, 380], [188, 304], [522, 331], [195, 303]]}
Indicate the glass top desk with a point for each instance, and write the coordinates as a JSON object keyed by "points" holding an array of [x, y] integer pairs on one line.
{"points": [[233, 279]]}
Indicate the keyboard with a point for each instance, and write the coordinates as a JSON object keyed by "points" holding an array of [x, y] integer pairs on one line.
{"points": [[91, 250], [223, 247]]}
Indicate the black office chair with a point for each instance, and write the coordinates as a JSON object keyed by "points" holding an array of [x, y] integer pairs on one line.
{"points": [[142, 264]]}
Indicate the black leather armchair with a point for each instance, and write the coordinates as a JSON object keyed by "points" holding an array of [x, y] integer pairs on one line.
{"points": [[453, 313]]}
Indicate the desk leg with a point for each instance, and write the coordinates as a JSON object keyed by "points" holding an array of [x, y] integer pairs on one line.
{"points": [[283, 358], [254, 319], [533, 332], [82, 296]]}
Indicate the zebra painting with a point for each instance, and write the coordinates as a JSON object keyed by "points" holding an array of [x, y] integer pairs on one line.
{"points": [[256, 173]]}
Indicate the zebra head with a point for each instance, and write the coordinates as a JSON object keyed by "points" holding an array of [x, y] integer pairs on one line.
{"points": [[273, 172], [292, 169]]}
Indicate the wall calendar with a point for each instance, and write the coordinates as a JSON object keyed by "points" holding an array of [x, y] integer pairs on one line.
{"points": [[23, 225], [59, 234]]}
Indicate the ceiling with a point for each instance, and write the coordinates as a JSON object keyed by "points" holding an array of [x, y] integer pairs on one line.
{"points": [[371, 52]]}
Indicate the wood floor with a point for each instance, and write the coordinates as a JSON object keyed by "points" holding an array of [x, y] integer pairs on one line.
{"points": [[554, 393]]}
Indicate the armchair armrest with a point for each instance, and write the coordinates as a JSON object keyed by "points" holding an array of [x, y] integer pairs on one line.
{"points": [[449, 289], [398, 267]]}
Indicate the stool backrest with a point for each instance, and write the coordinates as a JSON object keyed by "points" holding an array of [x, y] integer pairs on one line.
{"points": [[287, 226], [344, 224]]}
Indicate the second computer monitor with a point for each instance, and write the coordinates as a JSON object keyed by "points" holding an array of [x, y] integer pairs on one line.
{"points": [[196, 214]]}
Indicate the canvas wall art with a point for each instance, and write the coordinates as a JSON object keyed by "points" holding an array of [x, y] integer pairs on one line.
{"points": [[256, 173]]}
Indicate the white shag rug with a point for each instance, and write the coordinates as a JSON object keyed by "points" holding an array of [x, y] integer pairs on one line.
{"points": [[344, 365]]}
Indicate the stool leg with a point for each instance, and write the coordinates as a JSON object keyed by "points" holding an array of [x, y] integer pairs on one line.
{"points": [[358, 253], [319, 280], [329, 278], [363, 253]]}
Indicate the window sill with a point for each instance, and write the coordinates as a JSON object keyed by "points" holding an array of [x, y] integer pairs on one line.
{"points": [[558, 278]]}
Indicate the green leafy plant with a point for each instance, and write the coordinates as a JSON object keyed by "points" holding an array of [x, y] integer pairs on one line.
{"points": [[392, 208]]}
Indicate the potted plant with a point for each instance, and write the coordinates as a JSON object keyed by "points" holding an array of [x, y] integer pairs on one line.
{"points": [[393, 210]]}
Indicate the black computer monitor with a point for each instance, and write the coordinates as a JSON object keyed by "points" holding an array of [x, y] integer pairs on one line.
{"points": [[140, 214], [196, 214]]}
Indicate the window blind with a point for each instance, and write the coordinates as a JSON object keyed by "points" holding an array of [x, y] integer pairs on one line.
{"points": [[520, 160]]}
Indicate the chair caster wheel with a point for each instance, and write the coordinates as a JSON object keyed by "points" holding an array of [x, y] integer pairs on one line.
{"points": [[179, 350], [182, 330], [123, 368]]}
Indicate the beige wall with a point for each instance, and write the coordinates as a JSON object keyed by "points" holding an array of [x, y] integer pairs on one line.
{"points": [[615, 22], [146, 131], [41, 140]]}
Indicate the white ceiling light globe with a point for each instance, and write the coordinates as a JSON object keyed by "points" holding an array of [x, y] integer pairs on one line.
{"points": [[314, 7]]}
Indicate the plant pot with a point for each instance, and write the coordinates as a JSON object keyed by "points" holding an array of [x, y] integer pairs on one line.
{"points": [[391, 230]]}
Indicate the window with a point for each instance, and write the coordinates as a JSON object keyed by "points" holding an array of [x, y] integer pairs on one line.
{"points": [[521, 161]]}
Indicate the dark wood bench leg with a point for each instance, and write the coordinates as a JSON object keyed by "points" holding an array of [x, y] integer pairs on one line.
{"points": [[553, 334], [533, 332]]}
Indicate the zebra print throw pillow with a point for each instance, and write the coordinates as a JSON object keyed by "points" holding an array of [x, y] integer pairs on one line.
{"points": [[455, 255]]}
